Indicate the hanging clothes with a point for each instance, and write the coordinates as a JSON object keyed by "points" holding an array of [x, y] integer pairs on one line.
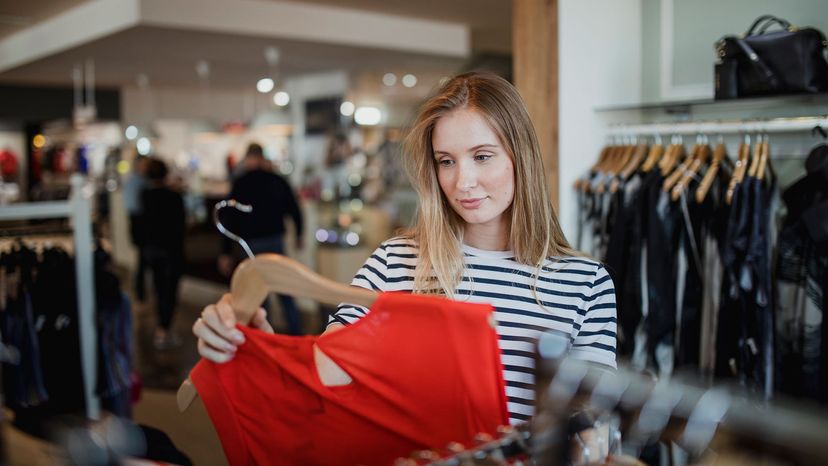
{"points": [[41, 323], [671, 256], [623, 259], [800, 286], [713, 270], [269, 405]]}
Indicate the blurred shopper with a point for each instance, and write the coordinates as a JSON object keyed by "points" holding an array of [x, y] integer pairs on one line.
{"points": [[133, 187], [272, 199], [336, 164], [164, 223]]}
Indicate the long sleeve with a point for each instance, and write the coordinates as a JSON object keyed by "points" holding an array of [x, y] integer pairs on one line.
{"points": [[293, 210], [371, 276], [596, 339]]}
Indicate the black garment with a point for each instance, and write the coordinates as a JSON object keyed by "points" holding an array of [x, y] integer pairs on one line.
{"points": [[662, 237], [694, 221], [164, 226], [272, 199], [136, 230], [159, 447], [623, 260], [802, 272], [164, 219], [745, 338]]}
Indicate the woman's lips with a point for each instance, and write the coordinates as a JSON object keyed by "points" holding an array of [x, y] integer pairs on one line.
{"points": [[472, 203]]}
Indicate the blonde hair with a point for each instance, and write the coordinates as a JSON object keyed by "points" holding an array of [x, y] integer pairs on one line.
{"points": [[535, 233]]}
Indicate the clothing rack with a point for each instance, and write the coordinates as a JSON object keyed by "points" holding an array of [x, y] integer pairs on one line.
{"points": [[772, 125], [78, 210], [694, 418]]}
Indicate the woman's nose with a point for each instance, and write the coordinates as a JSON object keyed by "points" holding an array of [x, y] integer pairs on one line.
{"points": [[466, 178]]}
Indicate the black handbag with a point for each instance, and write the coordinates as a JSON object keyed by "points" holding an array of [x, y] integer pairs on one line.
{"points": [[762, 62]]}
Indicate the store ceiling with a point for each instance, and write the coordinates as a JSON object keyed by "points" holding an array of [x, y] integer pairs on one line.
{"points": [[16, 15], [168, 56]]}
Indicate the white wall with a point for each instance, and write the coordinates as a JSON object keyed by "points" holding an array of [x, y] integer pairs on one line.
{"points": [[599, 65], [680, 36]]}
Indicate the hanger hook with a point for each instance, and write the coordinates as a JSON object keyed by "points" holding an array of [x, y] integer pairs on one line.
{"points": [[819, 130], [224, 231]]}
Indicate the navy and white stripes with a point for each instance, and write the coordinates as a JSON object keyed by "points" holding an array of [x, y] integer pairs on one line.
{"points": [[577, 297]]}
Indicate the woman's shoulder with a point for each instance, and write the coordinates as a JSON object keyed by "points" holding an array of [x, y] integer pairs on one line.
{"points": [[577, 264], [398, 242]]}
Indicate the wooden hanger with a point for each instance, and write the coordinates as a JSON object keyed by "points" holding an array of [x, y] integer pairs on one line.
{"points": [[653, 157], [679, 170], [719, 154], [583, 184], [739, 171], [671, 158], [754, 158], [691, 172], [638, 155], [764, 161], [613, 165], [254, 278]]}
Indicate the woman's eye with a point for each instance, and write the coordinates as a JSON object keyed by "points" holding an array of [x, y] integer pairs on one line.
{"points": [[446, 162], [482, 157]]}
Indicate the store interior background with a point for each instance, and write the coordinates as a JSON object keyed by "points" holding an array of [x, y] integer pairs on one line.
{"points": [[619, 62]]}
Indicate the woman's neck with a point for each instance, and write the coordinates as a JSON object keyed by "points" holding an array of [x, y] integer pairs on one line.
{"points": [[487, 237]]}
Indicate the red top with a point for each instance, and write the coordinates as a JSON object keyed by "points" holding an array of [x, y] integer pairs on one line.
{"points": [[426, 371]]}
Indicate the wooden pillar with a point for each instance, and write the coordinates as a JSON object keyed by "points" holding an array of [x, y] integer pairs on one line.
{"points": [[535, 67]]}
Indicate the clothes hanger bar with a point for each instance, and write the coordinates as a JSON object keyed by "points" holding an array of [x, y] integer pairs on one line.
{"points": [[773, 125]]}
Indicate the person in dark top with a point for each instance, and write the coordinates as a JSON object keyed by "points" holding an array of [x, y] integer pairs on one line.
{"points": [[164, 226], [263, 229]]}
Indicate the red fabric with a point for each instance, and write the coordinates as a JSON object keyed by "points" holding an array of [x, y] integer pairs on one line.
{"points": [[426, 371], [8, 164]]}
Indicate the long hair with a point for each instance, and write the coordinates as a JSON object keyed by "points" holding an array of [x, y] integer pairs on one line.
{"points": [[535, 233]]}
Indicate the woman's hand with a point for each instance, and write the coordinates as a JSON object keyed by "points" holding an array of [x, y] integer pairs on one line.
{"points": [[218, 337]]}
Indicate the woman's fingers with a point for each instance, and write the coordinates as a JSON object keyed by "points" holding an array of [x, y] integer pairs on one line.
{"points": [[216, 319], [225, 311], [207, 335], [208, 352], [260, 321]]}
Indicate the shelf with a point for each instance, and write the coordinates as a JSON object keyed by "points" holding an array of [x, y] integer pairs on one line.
{"points": [[684, 106]]}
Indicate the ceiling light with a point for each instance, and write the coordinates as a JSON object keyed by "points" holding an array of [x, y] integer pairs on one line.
{"points": [[131, 132], [389, 79], [143, 145], [281, 98], [367, 116], [409, 80], [347, 108], [265, 85]]}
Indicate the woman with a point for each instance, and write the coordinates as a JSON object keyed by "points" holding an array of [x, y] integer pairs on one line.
{"points": [[486, 232]]}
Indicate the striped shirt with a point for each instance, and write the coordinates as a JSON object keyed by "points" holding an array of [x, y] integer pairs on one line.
{"points": [[577, 294]]}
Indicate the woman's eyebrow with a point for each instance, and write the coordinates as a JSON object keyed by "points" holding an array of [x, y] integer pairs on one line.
{"points": [[479, 146]]}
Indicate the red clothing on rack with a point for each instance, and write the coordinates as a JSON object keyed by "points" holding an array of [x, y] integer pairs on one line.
{"points": [[426, 371]]}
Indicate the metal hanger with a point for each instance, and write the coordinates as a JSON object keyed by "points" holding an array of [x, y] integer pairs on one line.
{"points": [[246, 208]]}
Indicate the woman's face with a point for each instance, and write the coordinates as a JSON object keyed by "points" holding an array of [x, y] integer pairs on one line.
{"points": [[475, 172]]}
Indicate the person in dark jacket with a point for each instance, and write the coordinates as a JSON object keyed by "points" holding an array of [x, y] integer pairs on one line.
{"points": [[263, 229], [164, 221]]}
